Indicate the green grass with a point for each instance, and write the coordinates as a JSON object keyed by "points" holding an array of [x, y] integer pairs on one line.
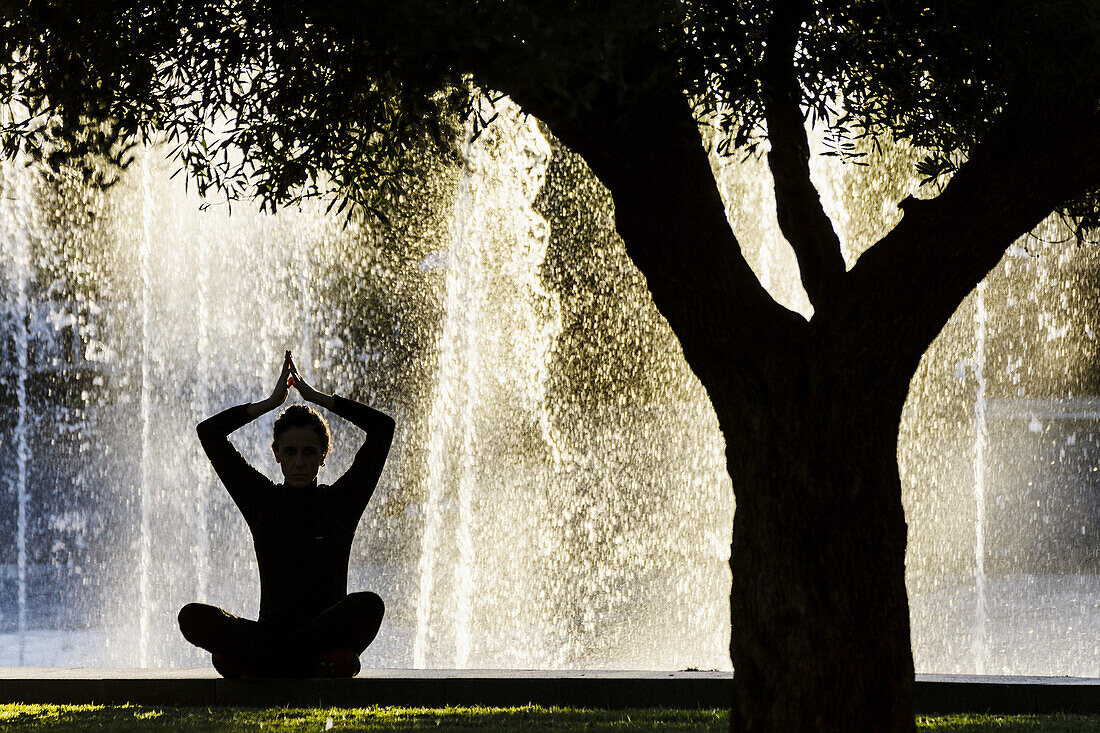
{"points": [[146, 718], [1010, 723], [19, 717]]}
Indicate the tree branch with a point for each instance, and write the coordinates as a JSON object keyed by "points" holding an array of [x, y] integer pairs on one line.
{"points": [[636, 131], [904, 289], [647, 150], [802, 219]]}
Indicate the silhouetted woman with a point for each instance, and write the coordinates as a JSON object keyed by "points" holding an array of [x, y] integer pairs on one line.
{"points": [[309, 626]]}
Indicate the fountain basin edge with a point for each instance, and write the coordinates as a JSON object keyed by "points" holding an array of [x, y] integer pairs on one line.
{"points": [[934, 693]]}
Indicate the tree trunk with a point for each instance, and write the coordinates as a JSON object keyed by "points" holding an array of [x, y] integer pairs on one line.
{"points": [[819, 611], [811, 410]]}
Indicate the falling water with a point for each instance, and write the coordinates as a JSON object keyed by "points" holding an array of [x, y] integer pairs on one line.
{"points": [[458, 306], [465, 249], [200, 405], [15, 190], [21, 341], [145, 488], [301, 261], [464, 231], [980, 439], [471, 367]]}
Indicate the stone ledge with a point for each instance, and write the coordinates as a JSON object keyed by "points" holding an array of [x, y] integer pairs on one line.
{"points": [[1006, 695], [423, 688], [935, 694]]}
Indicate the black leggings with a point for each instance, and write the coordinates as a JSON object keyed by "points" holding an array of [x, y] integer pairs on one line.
{"points": [[263, 649]]}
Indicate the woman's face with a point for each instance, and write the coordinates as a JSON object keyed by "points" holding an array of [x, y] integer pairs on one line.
{"points": [[299, 455]]}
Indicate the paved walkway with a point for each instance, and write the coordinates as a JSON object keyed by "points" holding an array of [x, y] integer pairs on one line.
{"points": [[437, 688]]}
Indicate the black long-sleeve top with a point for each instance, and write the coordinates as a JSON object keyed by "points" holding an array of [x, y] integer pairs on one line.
{"points": [[302, 536]]}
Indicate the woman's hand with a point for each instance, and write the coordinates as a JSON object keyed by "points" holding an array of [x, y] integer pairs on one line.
{"points": [[309, 394], [278, 395]]}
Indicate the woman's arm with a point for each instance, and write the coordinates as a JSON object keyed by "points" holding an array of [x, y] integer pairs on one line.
{"points": [[243, 482], [357, 484]]}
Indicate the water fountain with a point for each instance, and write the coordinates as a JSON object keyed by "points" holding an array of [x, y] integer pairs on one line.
{"points": [[556, 495], [178, 338]]}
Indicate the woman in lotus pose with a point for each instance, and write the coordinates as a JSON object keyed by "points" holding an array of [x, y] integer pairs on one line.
{"points": [[309, 626]]}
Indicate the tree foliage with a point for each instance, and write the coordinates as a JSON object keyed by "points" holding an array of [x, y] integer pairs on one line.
{"points": [[938, 75], [286, 100], [256, 99]]}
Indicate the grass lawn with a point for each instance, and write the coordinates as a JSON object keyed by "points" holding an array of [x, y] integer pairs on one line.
{"points": [[18, 717]]}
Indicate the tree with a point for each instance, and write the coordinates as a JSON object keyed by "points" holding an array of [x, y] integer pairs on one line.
{"points": [[328, 98]]}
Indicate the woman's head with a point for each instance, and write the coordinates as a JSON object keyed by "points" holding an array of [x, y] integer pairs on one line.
{"points": [[300, 443]]}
